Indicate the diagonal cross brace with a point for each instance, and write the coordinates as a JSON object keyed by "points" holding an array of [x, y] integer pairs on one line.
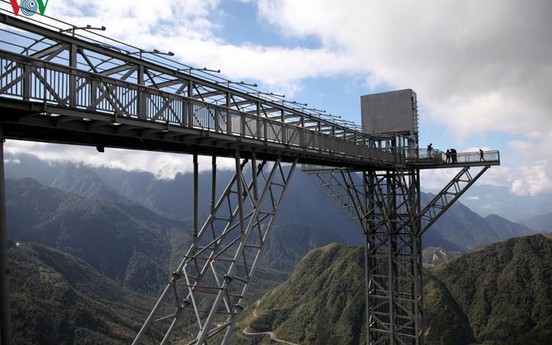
{"points": [[447, 196]]}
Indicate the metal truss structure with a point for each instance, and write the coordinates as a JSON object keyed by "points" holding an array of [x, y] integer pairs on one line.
{"points": [[212, 279], [65, 84]]}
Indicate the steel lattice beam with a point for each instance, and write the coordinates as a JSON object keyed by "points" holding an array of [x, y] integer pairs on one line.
{"points": [[150, 70], [394, 291]]}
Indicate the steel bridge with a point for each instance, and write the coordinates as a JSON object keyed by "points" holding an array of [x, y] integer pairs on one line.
{"points": [[61, 83]]}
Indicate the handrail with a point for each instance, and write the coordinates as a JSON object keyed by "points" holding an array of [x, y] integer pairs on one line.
{"points": [[35, 80]]}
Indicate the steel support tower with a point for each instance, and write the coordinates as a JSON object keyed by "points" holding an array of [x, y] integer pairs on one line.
{"points": [[388, 207], [66, 84]]}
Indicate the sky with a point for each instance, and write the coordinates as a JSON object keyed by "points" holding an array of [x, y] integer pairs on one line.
{"points": [[482, 70]]}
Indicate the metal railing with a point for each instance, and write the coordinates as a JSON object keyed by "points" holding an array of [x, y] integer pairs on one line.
{"points": [[33, 80]]}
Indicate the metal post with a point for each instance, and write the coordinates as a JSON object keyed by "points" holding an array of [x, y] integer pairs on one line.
{"points": [[367, 287], [213, 183], [4, 281], [196, 197], [364, 223], [417, 243], [239, 185]]}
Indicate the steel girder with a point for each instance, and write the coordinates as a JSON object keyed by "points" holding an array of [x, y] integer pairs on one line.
{"points": [[205, 293]]}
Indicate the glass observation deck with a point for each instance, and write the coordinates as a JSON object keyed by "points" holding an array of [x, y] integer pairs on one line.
{"points": [[424, 159]]}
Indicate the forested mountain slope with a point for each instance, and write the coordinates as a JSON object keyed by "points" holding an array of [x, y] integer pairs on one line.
{"points": [[59, 299], [501, 294]]}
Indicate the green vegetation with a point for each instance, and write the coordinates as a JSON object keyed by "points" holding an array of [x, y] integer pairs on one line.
{"points": [[325, 289], [501, 294], [58, 299], [79, 293], [446, 323], [505, 290], [127, 243]]}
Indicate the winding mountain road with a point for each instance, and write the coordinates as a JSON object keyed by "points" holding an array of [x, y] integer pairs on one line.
{"points": [[248, 331]]}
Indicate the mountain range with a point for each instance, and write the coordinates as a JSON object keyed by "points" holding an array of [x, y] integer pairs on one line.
{"points": [[305, 204], [489, 199], [126, 242]]}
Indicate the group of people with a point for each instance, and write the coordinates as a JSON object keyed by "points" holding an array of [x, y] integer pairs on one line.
{"points": [[451, 156]]}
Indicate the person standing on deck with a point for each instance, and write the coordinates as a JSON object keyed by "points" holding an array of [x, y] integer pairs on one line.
{"points": [[453, 156]]}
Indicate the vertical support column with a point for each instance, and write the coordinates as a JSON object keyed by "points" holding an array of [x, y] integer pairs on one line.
{"points": [[394, 273], [196, 196], [389, 194], [6, 329], [368, 307], [27, 72], [387, 204], [284, 130], [258, 122], [72, 76], [188, 118], [213, 183], [417, 248], [228, 114], [365, 227], [142, 105], [239, 184]]}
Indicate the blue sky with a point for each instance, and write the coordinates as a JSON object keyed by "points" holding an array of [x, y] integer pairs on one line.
{"points": [[482, 70]]}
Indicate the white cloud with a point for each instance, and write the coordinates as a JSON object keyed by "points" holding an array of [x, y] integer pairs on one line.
{"points": [[475, 64], [191, 29], [13, 161], [138, 19], [478, 67], [161, 165]]}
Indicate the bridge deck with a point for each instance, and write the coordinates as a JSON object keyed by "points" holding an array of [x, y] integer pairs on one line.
{"points": [[63, 88], [34, 121]]}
